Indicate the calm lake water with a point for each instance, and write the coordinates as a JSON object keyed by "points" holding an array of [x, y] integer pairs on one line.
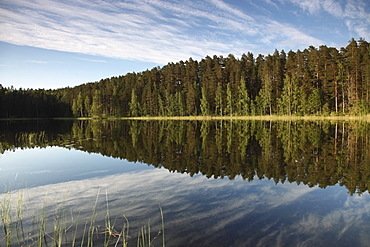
{"points": [[219, 183]]}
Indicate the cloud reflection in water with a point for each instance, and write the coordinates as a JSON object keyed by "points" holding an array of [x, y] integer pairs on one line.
{"points": [[204, 212]]}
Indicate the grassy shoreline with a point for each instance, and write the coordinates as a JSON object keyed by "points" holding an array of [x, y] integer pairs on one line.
{"points": [[265, 118], [260, 117]]}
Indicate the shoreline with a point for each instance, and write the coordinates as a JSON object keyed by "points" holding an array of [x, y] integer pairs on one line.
{"points": [[264, 118], [257, 118]]}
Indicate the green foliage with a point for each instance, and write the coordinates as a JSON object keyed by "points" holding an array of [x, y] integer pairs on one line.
{"points": [[75, 108], [314, 81], [219, 100], [229, 100], [80, 105], [87, 106], [289, 100], [314, 102], [134, 104], [204, 105], [96, 107], [244, 102], [264, 99]]}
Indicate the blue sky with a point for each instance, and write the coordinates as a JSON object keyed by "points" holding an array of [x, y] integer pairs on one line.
{"points": [[54, 44]]}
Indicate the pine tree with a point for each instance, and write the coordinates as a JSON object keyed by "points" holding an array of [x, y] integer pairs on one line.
{"points": [[219, 100], [289, 98], [353, 60], [75, 108], [204, 105], [80, 105], [314, 102], [229, 100], [264, 98], [96, 109], [134, 105], [243, 104], [87, 105]]}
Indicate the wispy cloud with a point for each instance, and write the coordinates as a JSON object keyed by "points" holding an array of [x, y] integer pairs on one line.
{"points": [[40, 172], [6, 65], [354, 13], [37, 61], [156, 30], [91, 60], [228, 204]]}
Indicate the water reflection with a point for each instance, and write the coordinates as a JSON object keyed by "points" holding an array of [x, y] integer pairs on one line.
{"points": [[313, 153], [209, 212], [25, 168], [67, 165]]}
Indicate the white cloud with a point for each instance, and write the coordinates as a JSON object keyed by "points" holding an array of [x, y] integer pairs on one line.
{"points": [[357, 18], [223, 6], [91, 60], [39, 172], [6, 66], [312, 6], [156, 31], [36, 61], [272, 3], [285, 35], [333, 7], [354, 13], [138, 194]]}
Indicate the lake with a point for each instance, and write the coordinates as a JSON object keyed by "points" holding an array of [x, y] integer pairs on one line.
{"points": [[218, 183]]}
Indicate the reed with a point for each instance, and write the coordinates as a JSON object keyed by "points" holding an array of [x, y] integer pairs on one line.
{"points": [[58, 226], [5, 212]]}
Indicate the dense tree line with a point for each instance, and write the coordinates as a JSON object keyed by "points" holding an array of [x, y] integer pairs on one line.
{"points": [[30, 103], [312, 153], [315, 81]]}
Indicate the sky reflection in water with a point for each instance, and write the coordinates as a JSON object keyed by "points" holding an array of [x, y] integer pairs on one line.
{"points": [[41, 166], [198, 211]]}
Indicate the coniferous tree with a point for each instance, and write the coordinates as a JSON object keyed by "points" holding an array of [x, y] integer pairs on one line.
{"points": [[204, 105], [290, 98], [87, 105], [264, 98], [96, 108], [80, 104], [219, 100], [75, 107], [229, 100], [321, 80], [243, 104], [134, 104]]}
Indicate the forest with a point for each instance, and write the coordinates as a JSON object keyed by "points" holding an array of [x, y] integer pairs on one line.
{"points": [[315, 81]]}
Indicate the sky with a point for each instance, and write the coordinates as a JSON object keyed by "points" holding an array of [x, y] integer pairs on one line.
{"points": [[54, 44]]}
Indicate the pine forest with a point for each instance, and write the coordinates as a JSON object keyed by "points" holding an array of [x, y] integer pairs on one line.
{"points": [[315, 81]]}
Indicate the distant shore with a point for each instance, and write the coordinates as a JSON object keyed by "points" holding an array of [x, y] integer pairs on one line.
{"points": [[264, 118]]}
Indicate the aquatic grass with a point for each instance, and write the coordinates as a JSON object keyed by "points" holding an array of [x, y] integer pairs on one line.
{"points": [[60, 225], [42, 228], [57, 225], [19, 215], [125, 232], [162, 219], [5, 212], [144, 236], [74, 236], [109, 231]]}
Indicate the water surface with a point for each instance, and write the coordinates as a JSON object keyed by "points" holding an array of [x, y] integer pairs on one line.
{"points": [[219, 183]]}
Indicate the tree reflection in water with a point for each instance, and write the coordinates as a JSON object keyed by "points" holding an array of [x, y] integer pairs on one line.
{"points": [[318, 153]]}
